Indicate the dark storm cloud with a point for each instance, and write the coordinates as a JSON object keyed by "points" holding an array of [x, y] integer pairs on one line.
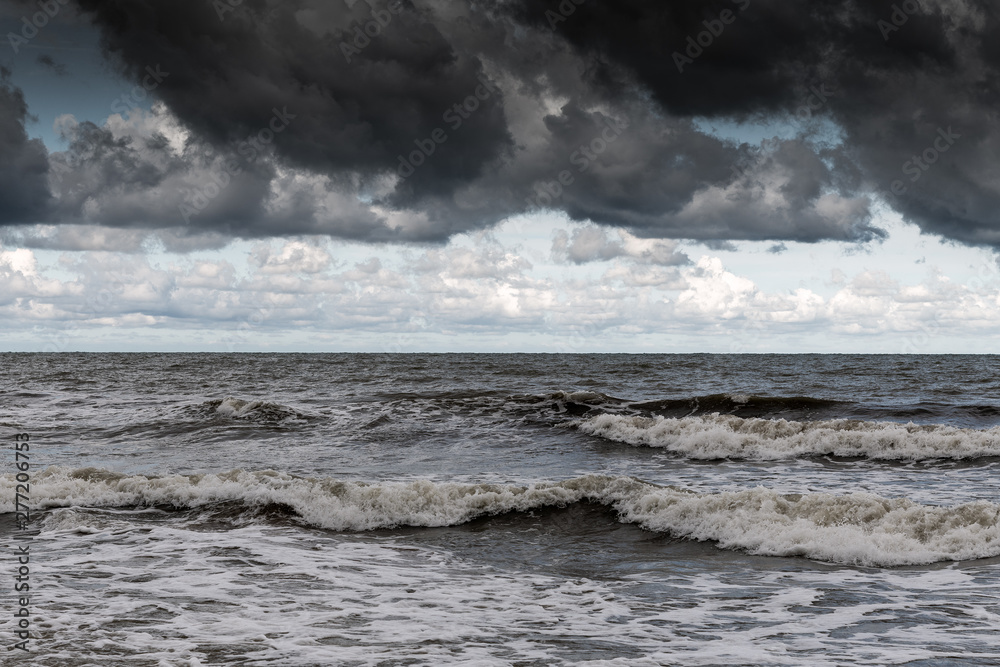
{"points": [[195, 191], [434, 117], [355, 110], [904, 71], [24, 165]]}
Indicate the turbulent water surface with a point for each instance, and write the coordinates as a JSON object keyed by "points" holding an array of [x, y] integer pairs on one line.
{"points": [[506, 509]]}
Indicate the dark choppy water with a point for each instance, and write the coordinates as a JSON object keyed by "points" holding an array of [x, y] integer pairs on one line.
{"points": [[508, 509]]}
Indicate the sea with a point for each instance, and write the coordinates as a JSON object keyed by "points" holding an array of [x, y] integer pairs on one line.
{"points": [[500, 509]]}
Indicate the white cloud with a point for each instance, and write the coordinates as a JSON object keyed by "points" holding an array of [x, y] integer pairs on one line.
{"points": [[293, 257], [20, 261], [479, 287], [591, 243]]}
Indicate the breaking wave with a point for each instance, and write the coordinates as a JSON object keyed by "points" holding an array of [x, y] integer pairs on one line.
{"points": [[857, 528], [729, 437], [257, 411], [743, 405]]}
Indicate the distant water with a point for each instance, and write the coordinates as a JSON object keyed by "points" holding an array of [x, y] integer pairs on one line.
{"points": [[203, 509]]}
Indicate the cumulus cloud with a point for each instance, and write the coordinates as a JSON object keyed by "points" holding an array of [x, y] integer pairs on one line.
{"points": [[76, 237], [293, 257], [145, 170], [474, 285], [591, 243]]}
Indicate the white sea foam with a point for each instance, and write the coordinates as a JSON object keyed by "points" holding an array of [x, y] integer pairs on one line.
{"points": [[259, 595], [717, 436], [253, 410], [858, 528]]}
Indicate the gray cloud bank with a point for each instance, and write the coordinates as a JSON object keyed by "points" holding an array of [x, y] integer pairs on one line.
{"points": [[416, 120]]}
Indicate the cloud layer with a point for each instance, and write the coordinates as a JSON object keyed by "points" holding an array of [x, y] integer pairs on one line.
{"points": [[415, 121], [584, 288]]}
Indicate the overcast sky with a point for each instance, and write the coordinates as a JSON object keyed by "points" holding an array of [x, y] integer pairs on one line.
{"points": [[506, 175]]}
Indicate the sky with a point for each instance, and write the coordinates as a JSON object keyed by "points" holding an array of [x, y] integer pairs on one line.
{"points": [[499, 176]]}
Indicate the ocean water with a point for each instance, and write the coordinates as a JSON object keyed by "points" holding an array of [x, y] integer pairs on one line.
{"points": [[345, 509]]}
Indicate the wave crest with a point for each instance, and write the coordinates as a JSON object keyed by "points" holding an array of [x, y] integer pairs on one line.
{"points": [[257, 411], [858, 528], [742, 405], [729, 437]]}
